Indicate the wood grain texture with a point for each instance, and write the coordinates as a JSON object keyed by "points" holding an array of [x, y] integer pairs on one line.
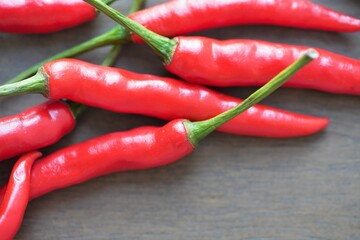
{"points": [[232, 187]]}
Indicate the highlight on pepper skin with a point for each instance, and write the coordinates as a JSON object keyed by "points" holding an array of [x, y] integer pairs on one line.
{"points": [[140, 148], [44, 16], [212, 62], [123, 91], [179, 17], [15, 196]]}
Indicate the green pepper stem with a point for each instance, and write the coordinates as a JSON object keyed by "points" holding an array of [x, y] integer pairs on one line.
{"points": [[112, 55], [116, 35], [200, 129], [110, 59], [35, 84], [108, 2], [75, 108], [164, 47], [38, 82]]}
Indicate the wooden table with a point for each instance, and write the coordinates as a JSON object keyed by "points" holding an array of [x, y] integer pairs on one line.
{"points": [[232, 187]]}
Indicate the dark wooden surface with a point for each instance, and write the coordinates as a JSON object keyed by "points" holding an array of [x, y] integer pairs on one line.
{"points": [[232, 187]]}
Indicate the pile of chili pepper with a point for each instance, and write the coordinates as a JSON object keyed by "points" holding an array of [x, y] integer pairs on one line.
{"points": [[141, 148], [198, 60]]}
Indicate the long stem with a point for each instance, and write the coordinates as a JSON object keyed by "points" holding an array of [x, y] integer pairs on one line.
{"points": [[112, 55], [163, 46], [78, 108], [37, 83], [200, 129], [108, 2], [117, 35]]}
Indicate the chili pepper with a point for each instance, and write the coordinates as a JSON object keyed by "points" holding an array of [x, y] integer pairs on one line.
{"points": [[164, 19], [15, 199], [24, 132], [44, 16], [179, 17], [124, 91], [331, 72], [140, 148], [226, 63], [36, 127]]}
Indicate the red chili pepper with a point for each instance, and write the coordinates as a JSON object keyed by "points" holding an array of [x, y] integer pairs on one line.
{"points": [[44, 16], [36, 127], [140, 148], [242, 62], [179, 17], [330, 72], [123, 91], [24, 132], [15, 196]]}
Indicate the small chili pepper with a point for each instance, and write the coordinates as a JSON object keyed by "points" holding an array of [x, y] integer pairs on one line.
{"points": [[36, 127], [226, 63], [179, 17], [16, 196], [140, 148], [168, 20], [123, 91], [44, 16]]}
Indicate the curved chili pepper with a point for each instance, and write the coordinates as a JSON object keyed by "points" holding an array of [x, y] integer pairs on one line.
{"points": [[35, 127], [44, 16], [179, 17], [16, 196], [242, 62], [140, 148], [123, 91], [164, 19]]}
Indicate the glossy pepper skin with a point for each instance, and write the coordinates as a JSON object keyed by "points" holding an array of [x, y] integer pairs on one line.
{"points": [[242, 62], [16, 196], [124, 91], [42, 125], [166, 98], [227, 64], [34, 128], [178, 17], [136, 149], [140, 148], [43, 16]]}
